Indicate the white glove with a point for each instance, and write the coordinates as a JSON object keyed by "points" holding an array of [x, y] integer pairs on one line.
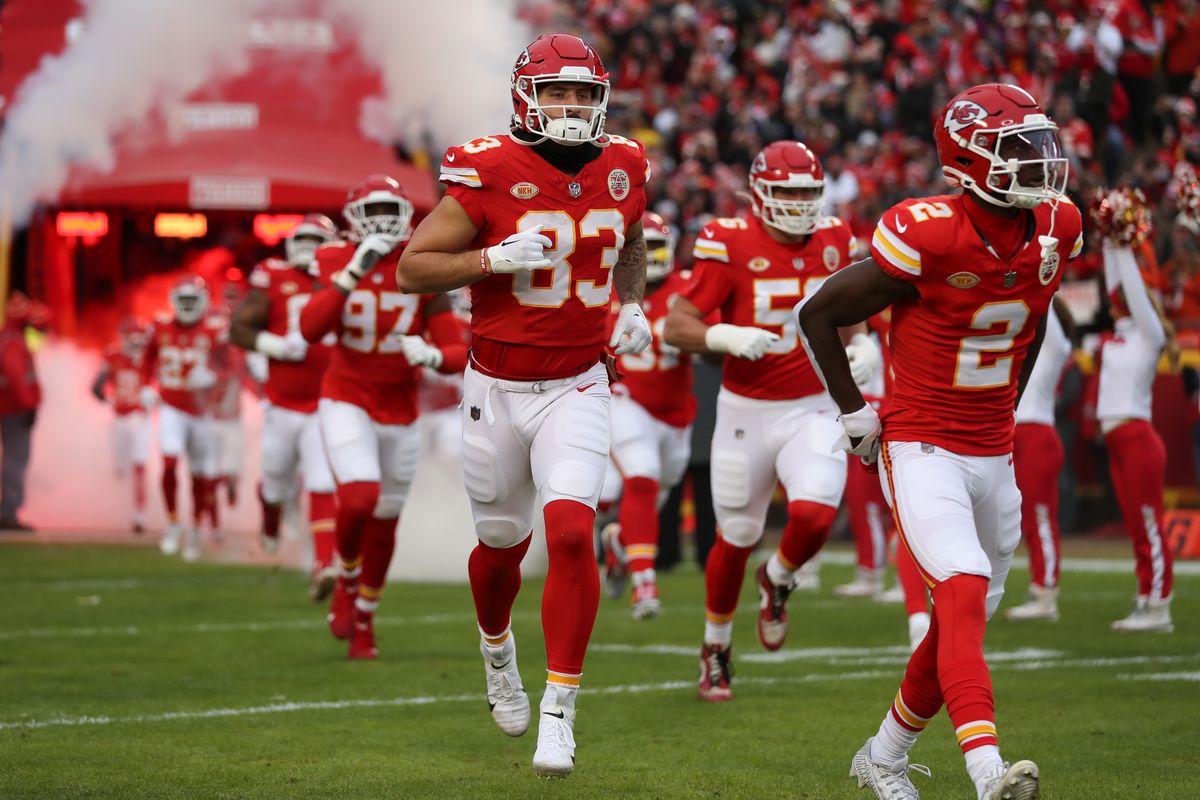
{"points": [[281, 348], [631, 333], [366, 256], [148, 397], [420, 353], [521, 251], [864, 426], [738, 340], [865, 358], [201, 377]]}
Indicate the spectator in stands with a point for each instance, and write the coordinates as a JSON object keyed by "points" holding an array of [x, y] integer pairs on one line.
{"points": [[20, 396]]}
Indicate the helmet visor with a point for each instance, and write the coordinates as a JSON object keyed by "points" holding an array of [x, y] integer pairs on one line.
{"points": [[1033, 160]]}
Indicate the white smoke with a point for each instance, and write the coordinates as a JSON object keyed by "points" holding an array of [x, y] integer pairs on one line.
{"points": [[128, 59], [445, 66]]}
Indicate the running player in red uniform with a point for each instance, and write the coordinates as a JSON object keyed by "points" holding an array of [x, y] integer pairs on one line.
{"points": [[542, 222], [268, 322], [368, 405], [969, 278], [183, 357], [652, 413], [775, 421], [120, 381]]}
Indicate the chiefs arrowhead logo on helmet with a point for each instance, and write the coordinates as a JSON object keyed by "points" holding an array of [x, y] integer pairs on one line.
{"points": [[962, 114]]}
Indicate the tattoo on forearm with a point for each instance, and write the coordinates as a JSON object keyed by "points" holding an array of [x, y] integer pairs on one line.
{"points": [[629, 275]]}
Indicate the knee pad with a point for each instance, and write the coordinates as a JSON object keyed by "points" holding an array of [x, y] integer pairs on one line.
{"points": [[389, 505], [500, 533], [359, 498], [741, 531], [577, 479], [276, 489]]}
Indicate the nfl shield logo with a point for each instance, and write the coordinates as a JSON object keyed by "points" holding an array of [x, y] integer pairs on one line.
{"points": [[798, 264], [574, 189], [1010, 278]]}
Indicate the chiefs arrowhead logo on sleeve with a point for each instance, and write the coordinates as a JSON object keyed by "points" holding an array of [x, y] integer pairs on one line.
{"points": [[963, 114]]}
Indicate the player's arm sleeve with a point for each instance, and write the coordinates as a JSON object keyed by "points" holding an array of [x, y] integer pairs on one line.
{"points": [[710, 285], [447, 334], [464, 183], [892, 247], [322, 313], [1137, 298]]}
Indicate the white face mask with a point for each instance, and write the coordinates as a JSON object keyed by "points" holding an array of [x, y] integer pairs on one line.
{"points": [[588, 126], [189, 305], [794, 217]]}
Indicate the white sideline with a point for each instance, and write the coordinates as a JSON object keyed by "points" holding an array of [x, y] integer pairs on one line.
{"points": [[1101, 565], [336, 705]]}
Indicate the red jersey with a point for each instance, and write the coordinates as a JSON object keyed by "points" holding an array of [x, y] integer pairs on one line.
{"points": [[546, 323], [755, 281], [294, 385], [367, 367], [957, 349], [176, 349], [126, 377], [660, 377]]}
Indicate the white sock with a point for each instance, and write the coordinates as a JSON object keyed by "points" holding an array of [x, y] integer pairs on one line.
{"points": [[777, 573], [558, 695], [497, 650], [644, 576], [982, 763], [892, 742], [718, 632]]}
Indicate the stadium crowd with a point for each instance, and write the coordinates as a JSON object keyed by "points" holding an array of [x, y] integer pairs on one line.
{"points": [[705, 84]]}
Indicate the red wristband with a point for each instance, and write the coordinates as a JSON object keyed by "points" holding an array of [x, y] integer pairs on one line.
{"points": [[483, 265]]}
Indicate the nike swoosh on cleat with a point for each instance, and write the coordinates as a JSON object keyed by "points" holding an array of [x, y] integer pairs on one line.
{"points": [[560, 714], [499, 666]]}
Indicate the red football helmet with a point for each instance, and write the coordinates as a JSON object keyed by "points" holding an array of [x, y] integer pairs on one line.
{"points": [[1187, 200], [660, 247], [378, 205], [312, 232], [556, 58], [134, 333], [189, 298], [995, 140], [787, 165]]}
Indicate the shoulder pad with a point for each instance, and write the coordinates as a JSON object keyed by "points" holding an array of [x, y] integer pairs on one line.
{"points": [[461, 164], [633, 150]]}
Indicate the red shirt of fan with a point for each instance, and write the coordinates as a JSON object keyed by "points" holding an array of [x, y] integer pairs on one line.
{"points": [[175, 350], [659, 378], [546, 323], [126, 376], [958, 348], [755, 281], [367, 367], [294, 385]]}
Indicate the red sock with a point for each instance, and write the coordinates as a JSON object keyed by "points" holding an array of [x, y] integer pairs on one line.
{"points": [[322, 514], [572, 593], [139, 486], [272, 513], [495, 574], [356, 503], [210, 501], [959, 604], [920, 696], [170, 486], [805, 533], [378, 544], [638, 516], [911, 581], [723, 574], [199, 498]]}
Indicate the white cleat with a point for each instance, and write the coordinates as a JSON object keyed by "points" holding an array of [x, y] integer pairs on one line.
{"points": [[918, 626], [191, 545], [808, 577], [893, 595], [555, 754], [169, 544], [505, 694], [1148, 616], [1016, 782], [1042, 604], [866, 583], [887, 781]]}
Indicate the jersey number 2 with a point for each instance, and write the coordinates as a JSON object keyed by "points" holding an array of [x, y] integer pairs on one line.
{"points": [[971, 371]]}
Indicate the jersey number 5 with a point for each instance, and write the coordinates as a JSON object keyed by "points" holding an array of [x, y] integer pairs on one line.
{"points": [[531, 287], [986, 361]]}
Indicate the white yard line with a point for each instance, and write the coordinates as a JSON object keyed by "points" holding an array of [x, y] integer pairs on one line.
{"points": [[337, 705], [1191, 677], [1101, 565]]}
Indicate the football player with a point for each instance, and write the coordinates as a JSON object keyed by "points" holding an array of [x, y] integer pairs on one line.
{"points": [[183, 356], [774, 419], [1038, 458], [542, 222], [969, 278], [1128, 366], [120, 381], [368, 404], [268, 322], [652, 413]]}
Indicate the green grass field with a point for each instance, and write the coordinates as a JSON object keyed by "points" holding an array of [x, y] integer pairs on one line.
{"points": [[127, 675]]}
